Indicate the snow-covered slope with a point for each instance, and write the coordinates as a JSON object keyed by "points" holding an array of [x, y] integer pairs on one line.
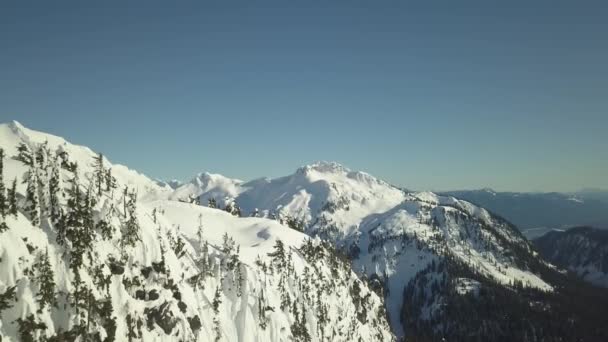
{"points": [[582, 250], [94, 262]]}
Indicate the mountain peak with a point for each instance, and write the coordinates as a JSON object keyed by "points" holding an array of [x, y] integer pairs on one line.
{"points": [[16, 127], [15, 124], [323, 167]]}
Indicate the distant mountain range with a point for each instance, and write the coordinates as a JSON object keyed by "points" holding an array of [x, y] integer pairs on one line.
{"points": [[536, 213]]}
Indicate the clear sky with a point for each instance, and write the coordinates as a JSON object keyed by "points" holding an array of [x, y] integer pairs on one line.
{"points": [[440, 95]]}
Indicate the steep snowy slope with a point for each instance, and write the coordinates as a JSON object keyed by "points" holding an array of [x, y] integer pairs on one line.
{"points": [[84, 260], [427, 230], [582, 250]]}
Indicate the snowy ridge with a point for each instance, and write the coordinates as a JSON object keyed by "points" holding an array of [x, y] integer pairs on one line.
{"points": [[13, 134], [121, 262]]}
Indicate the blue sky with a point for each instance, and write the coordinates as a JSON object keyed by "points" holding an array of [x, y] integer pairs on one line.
{"points": [[441, 95]]}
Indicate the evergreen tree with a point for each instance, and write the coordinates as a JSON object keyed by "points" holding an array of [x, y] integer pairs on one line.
{"points": [[130, 234], [79, 301], [212, 203], [7, 297], [46, 283], [4, 207], [24, 154], [278, 255], [100, 173], [110, 180], [233, 208], [70, 226], [261, 311], [32, 201], [27, 328], [54, 189], [217, 300], [82, 231], [3, 201], [3, 225], [12, 199], [199, 231], [109, 324]]}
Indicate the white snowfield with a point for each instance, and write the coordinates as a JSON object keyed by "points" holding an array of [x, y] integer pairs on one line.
{"points": [[391, 234]]}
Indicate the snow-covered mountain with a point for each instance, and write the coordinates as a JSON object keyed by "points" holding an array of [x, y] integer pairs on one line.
{"points": [[582, 250], [95, 251], [423, 251], [323, 254]]}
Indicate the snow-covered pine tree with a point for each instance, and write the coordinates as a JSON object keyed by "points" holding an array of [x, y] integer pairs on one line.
{"points": [[109, 324], [12, 199], [233, 208], [7, 297], [79, 303], [24, 154], [199, 230], [46, 282], [32, 201], [130, 234], [27, 328], [217, 300], [99, 173], [110, 180], [54, 191], [262, 320], [71, 226], [212, 203], [3, 201]]}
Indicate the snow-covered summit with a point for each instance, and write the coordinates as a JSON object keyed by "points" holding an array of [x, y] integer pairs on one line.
{"points": [[321, 190], [323, 167], [205, 186]]}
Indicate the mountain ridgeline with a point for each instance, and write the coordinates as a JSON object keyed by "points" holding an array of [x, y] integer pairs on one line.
{"points": [[93, 251], [537, 213]]}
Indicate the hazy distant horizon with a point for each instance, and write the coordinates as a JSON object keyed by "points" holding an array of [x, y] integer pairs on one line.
{"points": [[467, 95]]}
